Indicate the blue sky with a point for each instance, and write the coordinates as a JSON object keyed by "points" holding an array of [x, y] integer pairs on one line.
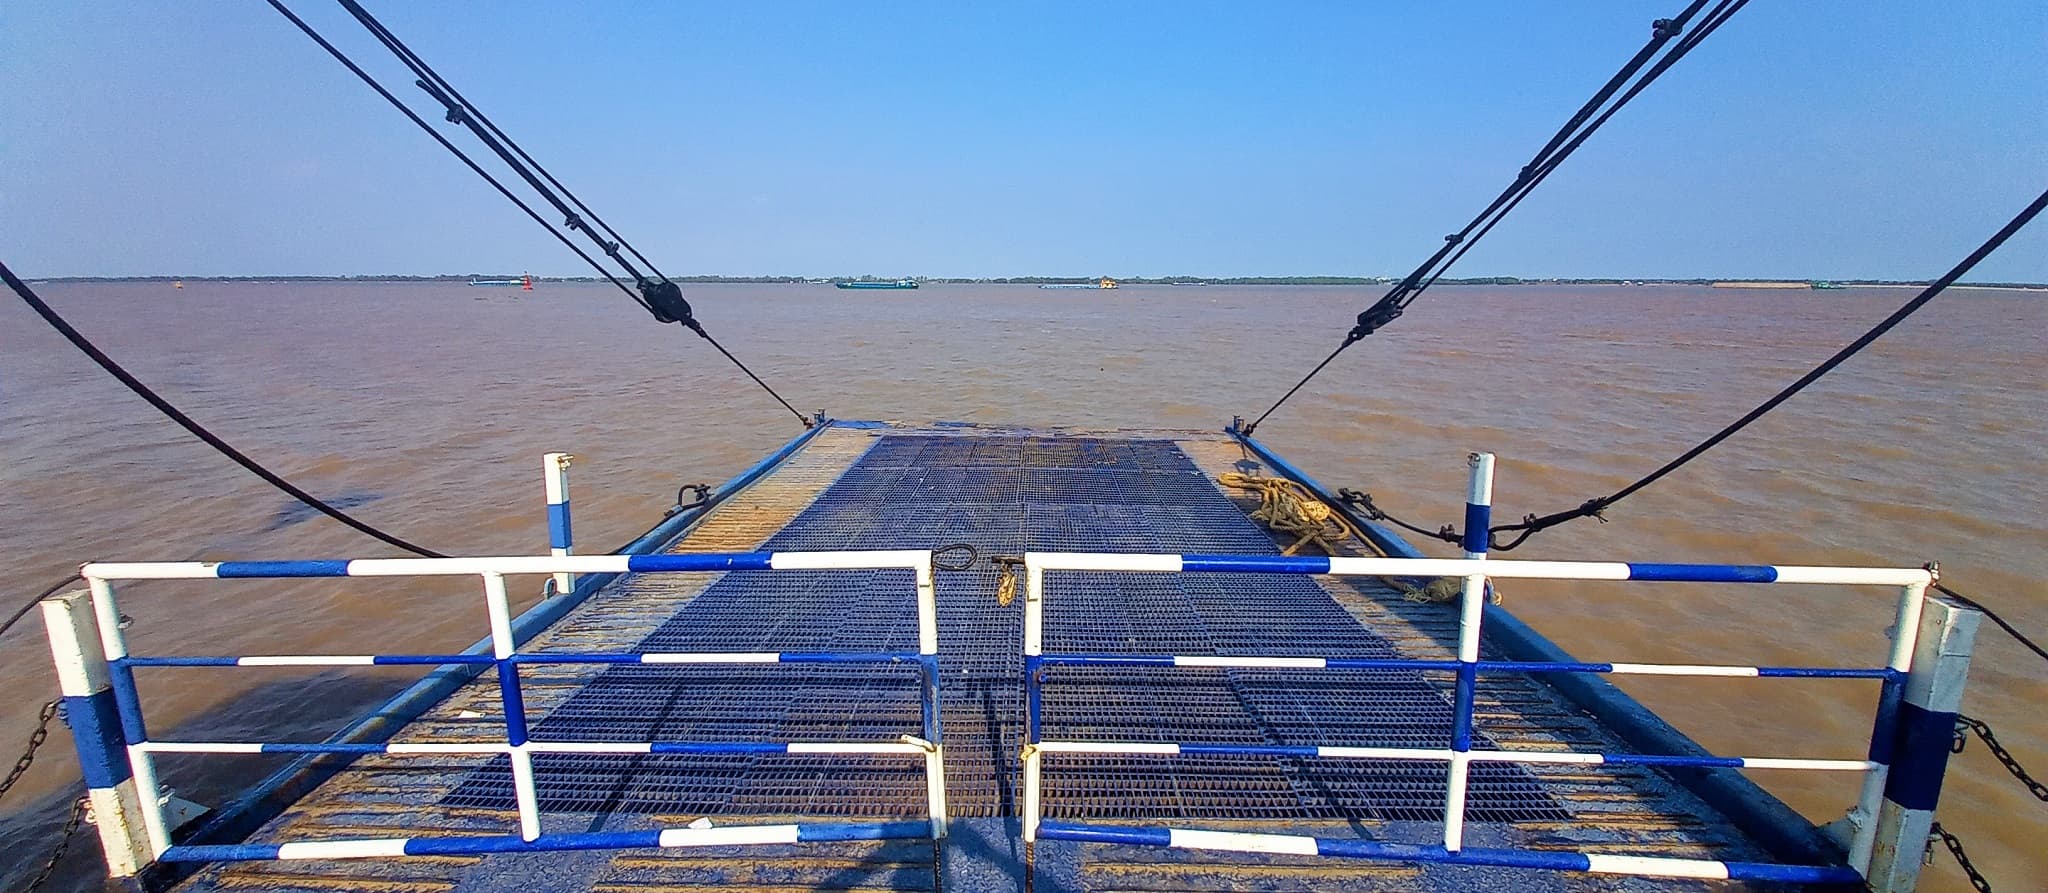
{"points": [[1808, 139]]}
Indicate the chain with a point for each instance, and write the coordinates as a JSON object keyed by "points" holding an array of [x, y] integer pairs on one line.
{"points": [[2005, 757], [63, 846], [35, 740], [1955, 848]]}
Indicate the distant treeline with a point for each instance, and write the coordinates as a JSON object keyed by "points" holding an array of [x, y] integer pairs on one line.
{"points": [[1040, 280]]}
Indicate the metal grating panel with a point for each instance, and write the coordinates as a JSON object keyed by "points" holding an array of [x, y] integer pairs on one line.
{"points": [[1006, 495]]}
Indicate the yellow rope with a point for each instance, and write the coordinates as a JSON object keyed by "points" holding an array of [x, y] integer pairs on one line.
{"points": [[1289, 507], [1006, 585]]}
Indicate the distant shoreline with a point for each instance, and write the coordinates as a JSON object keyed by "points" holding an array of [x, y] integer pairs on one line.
{"points": [[1779, 283]]}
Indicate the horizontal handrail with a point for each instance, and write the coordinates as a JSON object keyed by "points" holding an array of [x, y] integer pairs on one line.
{"points": [[1591, 571], [1440, 754], [538, 658], [386, 847], [1303, 845], [510, 565], [1248, 662], [917, 747]]}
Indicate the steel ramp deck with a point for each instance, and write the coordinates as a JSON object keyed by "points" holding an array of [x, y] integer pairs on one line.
{"points": [[1003, 492]]}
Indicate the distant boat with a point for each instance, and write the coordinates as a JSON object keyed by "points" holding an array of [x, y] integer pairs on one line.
{"points": [[900, 283], [178, 284], [1826, 285], [1105, 282], [525, 283]]}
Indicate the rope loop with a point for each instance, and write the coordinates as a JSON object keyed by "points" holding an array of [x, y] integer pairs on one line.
{"points": [[953, 565]]}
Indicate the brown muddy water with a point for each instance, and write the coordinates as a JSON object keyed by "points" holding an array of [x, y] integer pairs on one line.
{"points": [[427, 406]]}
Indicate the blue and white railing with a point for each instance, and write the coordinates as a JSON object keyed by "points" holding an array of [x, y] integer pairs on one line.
{"points": [[98, 675], [1907, 715]]}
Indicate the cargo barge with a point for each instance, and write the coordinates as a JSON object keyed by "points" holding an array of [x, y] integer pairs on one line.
{"points": [[921, 657]]}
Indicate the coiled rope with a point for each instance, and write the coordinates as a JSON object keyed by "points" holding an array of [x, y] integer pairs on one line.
{"points": [[1290, 508]]}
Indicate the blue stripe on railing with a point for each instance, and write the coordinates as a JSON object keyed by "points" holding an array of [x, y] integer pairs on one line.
{"points": [[1257, 564], [1477, 519], [558, 525], [515, 703], [743, 561], [1884, 726], [828, 832], [1827, 672], [1372, 849], [312, 568], [95, 722], [788, 657], [1703, 573], [1922, 756], [1105, 834]]}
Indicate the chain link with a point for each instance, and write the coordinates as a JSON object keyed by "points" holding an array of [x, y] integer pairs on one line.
{"points": [[63, 846], [35, 740], [2004, 756], [1955, 848]]}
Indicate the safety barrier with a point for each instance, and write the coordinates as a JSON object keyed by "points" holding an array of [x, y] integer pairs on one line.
{"points": [[1912, 721], [98, 675]]}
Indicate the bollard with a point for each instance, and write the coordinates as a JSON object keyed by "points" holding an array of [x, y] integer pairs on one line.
{"points": [[1926, 726], [555, 466], [83, 679]]}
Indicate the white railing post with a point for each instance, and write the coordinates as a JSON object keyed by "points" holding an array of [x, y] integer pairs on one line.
{"points": [[560, 539], [1034, 648], [1471, 608], [502, 647], [1926, 725], [128, 704], [1905, 640], [930, 704], [86, 685]]}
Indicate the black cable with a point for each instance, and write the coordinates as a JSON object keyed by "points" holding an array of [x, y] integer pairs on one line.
{"points": [[79, 341], [1248, 429], [806, 420], [662, 297], [1561, 145], [968, 556], [365, 77], [31, 605], [2002, 624], [443, 91], [1713, 21], [1593, 507]]}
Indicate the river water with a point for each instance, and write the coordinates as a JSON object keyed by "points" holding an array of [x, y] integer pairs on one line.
{"points": [[427, 406]]}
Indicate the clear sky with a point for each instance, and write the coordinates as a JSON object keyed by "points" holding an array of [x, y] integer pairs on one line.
{"points": [[1806, 139]]}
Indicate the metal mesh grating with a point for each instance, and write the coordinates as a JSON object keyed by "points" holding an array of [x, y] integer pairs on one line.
{"points": [[1006, 495]]}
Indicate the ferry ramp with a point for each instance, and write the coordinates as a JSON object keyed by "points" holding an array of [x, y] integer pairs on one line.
{"points": [[1004, 492]]}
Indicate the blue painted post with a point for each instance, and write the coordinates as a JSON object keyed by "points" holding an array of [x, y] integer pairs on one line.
{"points": [[1471, 607], [1926, 724], [560, 539], [84, 679]]}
